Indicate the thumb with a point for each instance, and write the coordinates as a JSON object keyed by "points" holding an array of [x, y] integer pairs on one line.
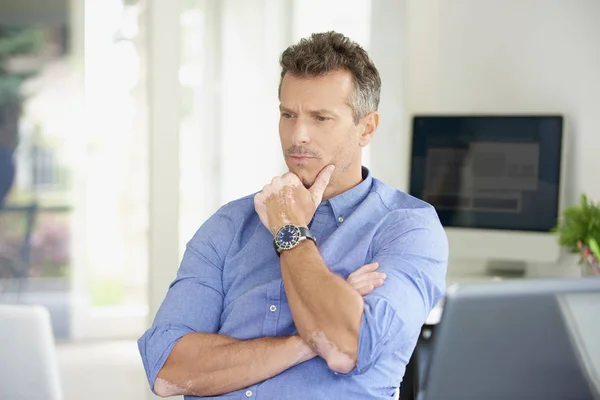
{"points": [[318, 187]]}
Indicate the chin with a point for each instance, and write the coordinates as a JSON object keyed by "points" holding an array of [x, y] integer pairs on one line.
{"points": [[307, 176], [307, 183]]}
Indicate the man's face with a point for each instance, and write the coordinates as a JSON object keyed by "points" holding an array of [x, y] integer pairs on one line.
{"points": [[316, 125]]}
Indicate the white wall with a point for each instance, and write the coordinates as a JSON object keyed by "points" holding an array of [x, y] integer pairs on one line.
{"points": [[253, 35], [389, 148], [512, 56]]}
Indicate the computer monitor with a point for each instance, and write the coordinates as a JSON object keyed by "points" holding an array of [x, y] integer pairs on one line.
{"points": [[517, 339], [495, 182]]}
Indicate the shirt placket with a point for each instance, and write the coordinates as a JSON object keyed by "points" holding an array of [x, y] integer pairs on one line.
{"points": [[273, 309]]}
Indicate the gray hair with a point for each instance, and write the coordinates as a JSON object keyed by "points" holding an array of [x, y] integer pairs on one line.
{"points": [[327, 52]]}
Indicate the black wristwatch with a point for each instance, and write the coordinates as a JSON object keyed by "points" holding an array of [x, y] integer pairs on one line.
{"points": [[290, 236]]}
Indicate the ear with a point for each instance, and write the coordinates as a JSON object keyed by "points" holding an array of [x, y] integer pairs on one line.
{"points": [[370, 123]]}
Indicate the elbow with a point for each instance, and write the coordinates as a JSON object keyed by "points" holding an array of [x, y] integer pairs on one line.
{"points": [[340, 359], [164, 388], [340, 354], [161, 391], [341, 364], [170, 387]]}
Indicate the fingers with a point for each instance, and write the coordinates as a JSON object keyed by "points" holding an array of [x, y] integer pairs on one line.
{"points": [[320, 184], [259, 199], [288, 179], [366, 268], [291, 179], [365, 290], [367, 277], [369, 287]]}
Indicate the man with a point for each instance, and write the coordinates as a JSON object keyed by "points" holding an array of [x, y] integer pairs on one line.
{"points": [[266, 303]]}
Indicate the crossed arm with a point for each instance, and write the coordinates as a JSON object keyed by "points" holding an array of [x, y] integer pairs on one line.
{"points": [[326, 309], [180, 359], [229, 364]]}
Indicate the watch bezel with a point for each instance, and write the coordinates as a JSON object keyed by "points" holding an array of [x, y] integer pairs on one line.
{"points": [[296, 237]]}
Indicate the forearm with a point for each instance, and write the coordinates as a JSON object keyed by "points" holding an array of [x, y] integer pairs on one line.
{"points": [[203, 364], [326, 309]]}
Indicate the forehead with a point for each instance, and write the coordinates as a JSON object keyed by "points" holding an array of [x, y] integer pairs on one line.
{"points": [[330, 90]]}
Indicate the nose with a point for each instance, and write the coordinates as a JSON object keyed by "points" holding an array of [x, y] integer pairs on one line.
{"points": [[300, 133]]}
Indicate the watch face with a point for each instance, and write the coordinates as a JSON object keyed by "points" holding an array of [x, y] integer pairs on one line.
{"points": [[287, 237]]}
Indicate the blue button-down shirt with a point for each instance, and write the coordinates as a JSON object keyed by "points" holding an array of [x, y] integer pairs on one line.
{"points": [[229, 283]]}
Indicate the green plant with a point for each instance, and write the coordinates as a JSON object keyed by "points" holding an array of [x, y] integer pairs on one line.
{"points": [[14, 42], [580, 227]]}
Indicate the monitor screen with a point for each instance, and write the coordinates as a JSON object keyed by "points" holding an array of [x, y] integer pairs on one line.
{"points": [[489, 172]]}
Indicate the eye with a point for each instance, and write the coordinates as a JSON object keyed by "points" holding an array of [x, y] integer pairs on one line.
{"points": [[321, 118], [286, 115]]}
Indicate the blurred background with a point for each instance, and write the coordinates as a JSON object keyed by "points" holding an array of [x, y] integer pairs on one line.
{"points": [[124, 124]]}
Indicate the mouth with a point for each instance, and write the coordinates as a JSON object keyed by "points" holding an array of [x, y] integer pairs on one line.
{"points": [[300, 159]]}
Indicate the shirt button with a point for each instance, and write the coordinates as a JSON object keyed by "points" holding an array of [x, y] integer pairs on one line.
{"points": [[273, 308], [341, 219], [248, 393]]}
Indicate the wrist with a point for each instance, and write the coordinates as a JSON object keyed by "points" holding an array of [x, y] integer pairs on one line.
{"points": [[300, 247], [291, 221]]}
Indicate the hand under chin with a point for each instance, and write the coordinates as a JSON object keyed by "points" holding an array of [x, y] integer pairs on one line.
{"points": [[307, 174]]}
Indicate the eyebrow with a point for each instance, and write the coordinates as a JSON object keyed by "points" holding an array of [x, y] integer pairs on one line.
{"points": [[314, 112]]}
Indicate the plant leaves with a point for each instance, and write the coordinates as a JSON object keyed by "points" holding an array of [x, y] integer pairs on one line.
{"points": [[579, 224], [595, 248]]}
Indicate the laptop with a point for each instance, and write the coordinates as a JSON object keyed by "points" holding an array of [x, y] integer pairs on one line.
{"points": [[517, 339]]}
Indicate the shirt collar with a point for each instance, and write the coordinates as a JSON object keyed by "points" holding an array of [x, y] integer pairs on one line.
{"points": [[344, 203]]}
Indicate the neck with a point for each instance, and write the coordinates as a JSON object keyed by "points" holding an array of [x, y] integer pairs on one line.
{"points": [[347, 179]]}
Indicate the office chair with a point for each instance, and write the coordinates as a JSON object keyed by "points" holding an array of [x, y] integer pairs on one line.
{"points": [[417, 365], [409, 388]]}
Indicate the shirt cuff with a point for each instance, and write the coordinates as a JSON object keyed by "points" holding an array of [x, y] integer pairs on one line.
{"points": [[156, 345], [379, 323]]}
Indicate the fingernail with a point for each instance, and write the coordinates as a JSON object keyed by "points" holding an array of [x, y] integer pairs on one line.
{"points": [[383, 276]]}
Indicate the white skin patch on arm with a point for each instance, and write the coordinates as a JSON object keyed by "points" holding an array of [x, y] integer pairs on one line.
{"points": [[166, 389], [328, 350]]}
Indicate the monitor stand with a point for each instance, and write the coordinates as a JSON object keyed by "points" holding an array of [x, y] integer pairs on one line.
{"points": [[506, 269]]}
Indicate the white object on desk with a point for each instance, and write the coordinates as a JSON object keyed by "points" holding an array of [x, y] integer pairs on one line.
{"points": [[582, 314], [28, 363]]}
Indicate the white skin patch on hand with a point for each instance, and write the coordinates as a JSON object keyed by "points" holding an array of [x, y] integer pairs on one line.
{"points": [[284, 218], [286, 194], [289, 195]]}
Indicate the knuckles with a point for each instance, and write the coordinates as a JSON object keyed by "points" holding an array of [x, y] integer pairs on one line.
{"points": [[289, 180]]}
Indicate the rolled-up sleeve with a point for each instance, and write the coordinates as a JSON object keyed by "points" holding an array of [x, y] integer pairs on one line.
{"points": [[194, 300], [412, 250]]}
